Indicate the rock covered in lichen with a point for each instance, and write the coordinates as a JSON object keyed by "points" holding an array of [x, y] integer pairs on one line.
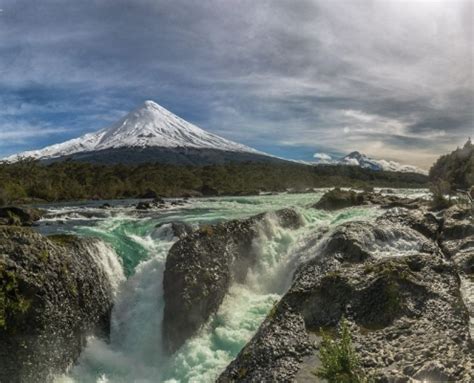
{"points": [[406, 311], [53, 293], [19, 216], [201, 266], [339, 199]]}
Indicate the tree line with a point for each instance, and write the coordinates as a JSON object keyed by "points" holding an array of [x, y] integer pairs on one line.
{"points": [[454, 171], [29, 180]]}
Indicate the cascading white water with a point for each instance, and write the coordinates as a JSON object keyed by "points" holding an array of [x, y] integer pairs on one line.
{"points": [[134, 352], [108, 260]]}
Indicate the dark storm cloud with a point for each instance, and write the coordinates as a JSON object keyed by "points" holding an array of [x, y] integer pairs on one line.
{"points": [[331, 75], [441, 124]]}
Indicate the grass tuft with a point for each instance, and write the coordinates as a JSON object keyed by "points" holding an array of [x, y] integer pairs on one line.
{"points": [[340, 363]]}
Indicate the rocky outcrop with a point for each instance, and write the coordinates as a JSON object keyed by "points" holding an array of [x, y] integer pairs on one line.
{"points": [[457, 235], [157, 203], [339, 199], [53, 293], [201, 266], [19, 216], [396, 288], [457, 241], [177, 229]]}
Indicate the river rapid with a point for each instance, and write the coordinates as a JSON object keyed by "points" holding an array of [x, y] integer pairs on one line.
{"points": [[141, 240]]}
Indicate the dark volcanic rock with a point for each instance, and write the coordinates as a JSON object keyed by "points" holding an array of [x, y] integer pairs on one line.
{"points": [[358, 241], [53, 294], [20, 216], [340, 199], [276, 351], [178, 229], [406, 311], [144, 205], [156, 203], [201, 266], [458, 230], [181, 229], [457, 242], [421, 220]]}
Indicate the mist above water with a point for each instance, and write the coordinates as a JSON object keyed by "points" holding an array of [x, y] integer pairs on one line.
{"points": [[134, 352]]}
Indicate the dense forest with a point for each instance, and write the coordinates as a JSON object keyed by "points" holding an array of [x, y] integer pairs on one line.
{"points": [[454, 171], [29, 180]]}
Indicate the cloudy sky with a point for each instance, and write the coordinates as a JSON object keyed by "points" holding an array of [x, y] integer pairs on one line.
{"points": [[390, 78]]}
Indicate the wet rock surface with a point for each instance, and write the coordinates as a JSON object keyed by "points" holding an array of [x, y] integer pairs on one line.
{"points": [[52, 295], [339, 199], [201, 266], [178, 229], [19, 216], [158, 203], [399, 290]]}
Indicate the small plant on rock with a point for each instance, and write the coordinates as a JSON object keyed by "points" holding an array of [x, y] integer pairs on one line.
{"points": [[340, 363], [440, 189], [206, 230]]}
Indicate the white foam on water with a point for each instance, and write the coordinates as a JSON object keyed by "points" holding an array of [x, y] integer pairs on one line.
{"points": [[134, 352], [398, 242], [246, 305], [108, 260]]}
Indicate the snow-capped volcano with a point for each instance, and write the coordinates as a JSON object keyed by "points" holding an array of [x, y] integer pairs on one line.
{"points": [[362, 160], [358, 159], [149, 126]]}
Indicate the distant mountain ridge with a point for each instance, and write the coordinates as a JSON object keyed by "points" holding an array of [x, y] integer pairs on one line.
{"points": [[358, 159], [153, 134], [149, 133]]}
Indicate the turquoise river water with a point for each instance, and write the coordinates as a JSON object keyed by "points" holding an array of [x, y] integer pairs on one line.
{"points": [[136, 247]]}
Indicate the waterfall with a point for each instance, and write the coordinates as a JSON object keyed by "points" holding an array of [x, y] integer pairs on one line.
{"points": [[134, 351]]}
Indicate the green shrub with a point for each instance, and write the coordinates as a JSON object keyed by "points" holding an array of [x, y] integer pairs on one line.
{"points": [[340, 363], [440, 189], [440, 202]]}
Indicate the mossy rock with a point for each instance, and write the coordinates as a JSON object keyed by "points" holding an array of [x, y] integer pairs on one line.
{"points": [[339, 199], [63, 239], [20, 216], [53, 294], [13, 302]]}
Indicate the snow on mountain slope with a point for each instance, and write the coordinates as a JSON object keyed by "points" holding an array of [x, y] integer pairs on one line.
{"points": [[150, 125], [359, 159]]}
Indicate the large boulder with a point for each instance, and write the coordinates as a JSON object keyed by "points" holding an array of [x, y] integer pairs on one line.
{"points": [[157, 203], [400, 295], [457, 234], [339, 199], [53, 294], [175, 229], [457, 241], [201, 266], [19, 216], [356, 242], [421, 220]]}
